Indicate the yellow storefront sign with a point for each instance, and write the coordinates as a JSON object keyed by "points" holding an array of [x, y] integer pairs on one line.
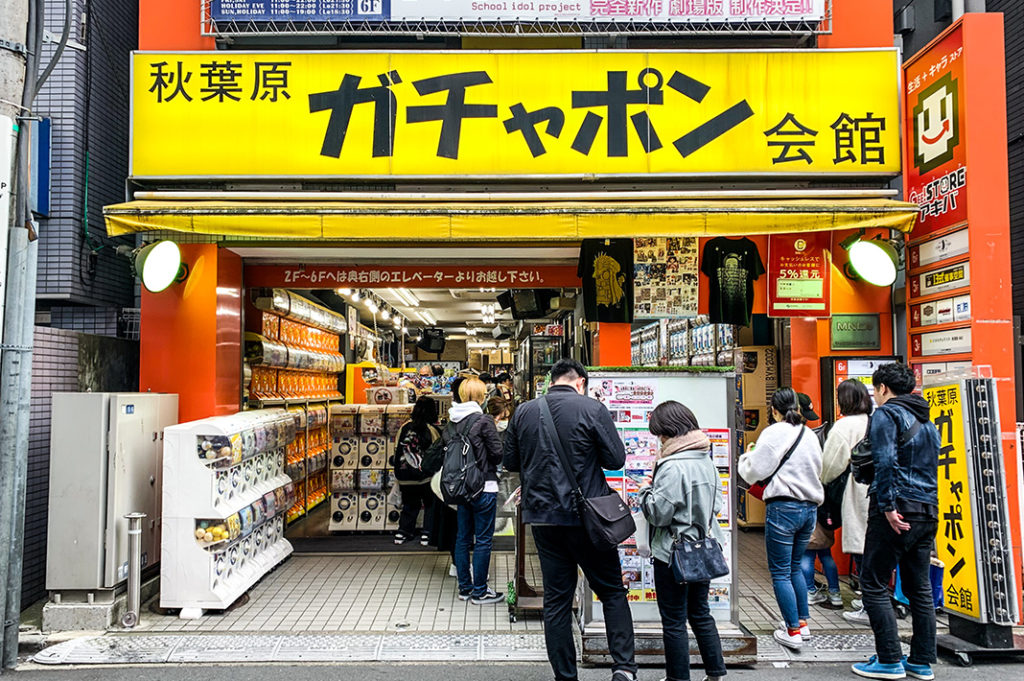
{"points": [[955, 540], [488, 114]]}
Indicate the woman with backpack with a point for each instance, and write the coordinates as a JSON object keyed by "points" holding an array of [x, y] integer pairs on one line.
{"points": [[414, 439], [682, 499], [855, 407], [787, 461]]}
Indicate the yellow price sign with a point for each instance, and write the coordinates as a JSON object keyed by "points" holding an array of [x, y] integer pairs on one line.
{"points": [[486, 114], [955, 540]]}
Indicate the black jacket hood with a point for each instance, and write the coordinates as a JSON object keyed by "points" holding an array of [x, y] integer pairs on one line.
{"points": [[915, 404]]}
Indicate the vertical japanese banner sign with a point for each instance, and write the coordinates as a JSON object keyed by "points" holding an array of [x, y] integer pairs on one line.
{"points": [[955, 541], [799, 275]]}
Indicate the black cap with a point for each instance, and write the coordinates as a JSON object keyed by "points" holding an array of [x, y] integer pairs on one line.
{"points": [[806, 407]]}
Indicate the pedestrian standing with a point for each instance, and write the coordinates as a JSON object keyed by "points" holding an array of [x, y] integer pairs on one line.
{"points": [[476, 518], [788, 456], [819, 548], [903, 512], [681, 500], [855, 407], [414, 440], [591, 443]]}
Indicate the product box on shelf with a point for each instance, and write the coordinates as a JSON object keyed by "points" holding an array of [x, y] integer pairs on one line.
{"points": [[385, 395], [759, 373]]}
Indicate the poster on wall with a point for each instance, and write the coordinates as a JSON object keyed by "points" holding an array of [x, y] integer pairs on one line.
{"points": [[799, 275], [665, 277]]}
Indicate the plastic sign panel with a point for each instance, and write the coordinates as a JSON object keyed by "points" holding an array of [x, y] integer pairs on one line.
{"points": [[955, 541], [666, 11], [936, 165], [799, 275], [473, 114]]}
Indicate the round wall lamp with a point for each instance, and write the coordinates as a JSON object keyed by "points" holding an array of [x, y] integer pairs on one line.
{"points": [[875, 261], [157, 265]]}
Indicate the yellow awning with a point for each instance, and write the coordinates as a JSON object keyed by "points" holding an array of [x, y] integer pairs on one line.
{"points": [[509, 221]]}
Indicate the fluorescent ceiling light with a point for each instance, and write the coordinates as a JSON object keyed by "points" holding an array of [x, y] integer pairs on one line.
{"points": [[406, 296]]}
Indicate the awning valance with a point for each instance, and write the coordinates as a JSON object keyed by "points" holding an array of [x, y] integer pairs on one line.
{"points": [[503, 221]]}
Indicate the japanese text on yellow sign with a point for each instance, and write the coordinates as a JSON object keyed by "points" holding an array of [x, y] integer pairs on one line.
{"points": [[495, 113], [954, 541]]}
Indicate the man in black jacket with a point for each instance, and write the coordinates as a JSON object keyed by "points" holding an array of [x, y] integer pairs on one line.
{"points": [[591, 443]]}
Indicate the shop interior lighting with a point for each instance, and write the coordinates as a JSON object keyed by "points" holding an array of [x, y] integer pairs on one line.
{"points": [[398, 322], [875, 261], [470, 332], [356, 295], [157, 265], [344, 291], [371, 306], [385, 313], [426, 317], [407, 297]]}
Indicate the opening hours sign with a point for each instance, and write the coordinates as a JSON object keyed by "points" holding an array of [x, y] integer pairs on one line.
{"points": [[483, 114]]}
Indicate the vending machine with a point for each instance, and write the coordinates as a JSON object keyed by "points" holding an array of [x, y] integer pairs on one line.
{"points": [[835, 370]]}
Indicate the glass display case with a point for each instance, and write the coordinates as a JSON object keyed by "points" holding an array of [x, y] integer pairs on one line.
{"points": [[537, 354]]}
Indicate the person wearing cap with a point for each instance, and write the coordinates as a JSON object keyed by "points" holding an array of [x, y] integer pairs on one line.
{"points": [[807, 411]]}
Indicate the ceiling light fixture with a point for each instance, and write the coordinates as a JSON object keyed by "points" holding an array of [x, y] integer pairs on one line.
{"points": [[344, 291], [356, 295], [406, 296], [385, 313], [875, 261]]}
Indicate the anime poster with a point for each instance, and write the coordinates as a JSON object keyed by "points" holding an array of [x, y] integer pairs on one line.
{"points": [[665, 277]]}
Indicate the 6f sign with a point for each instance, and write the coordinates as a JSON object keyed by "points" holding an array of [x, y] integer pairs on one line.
{"points": [[936, 124]]}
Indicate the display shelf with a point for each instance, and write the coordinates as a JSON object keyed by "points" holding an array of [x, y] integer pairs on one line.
{"points": [[271, 354], [293, 307], [223, 477]]}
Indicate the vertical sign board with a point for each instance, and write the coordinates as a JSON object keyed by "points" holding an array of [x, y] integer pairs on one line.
{"points": [[799, 275], [955, 169], [956, 542]]}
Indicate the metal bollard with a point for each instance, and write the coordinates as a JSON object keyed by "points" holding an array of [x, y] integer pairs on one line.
{"points": [[131, 614]]}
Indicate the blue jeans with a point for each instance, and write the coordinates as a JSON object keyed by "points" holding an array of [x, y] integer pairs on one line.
{"points": [[828, 566], [476, 520], [788, 528]]}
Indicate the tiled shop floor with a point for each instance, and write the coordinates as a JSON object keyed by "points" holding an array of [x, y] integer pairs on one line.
{"points": [[410, 592], [377, 592]]}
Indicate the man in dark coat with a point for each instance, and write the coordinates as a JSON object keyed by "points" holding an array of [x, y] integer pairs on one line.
{"points": [[591, 444]]}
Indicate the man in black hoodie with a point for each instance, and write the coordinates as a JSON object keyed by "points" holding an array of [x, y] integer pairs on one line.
{"points": [[903, 515]]}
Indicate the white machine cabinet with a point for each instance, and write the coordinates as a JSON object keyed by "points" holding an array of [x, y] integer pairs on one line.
{"points": [[225, 495], [105, 454]]}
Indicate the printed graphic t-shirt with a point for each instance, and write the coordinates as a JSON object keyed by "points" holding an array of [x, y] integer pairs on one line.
{"points": [[731, 266], [606, 272]]}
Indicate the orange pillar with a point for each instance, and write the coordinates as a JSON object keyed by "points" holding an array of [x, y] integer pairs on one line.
{"points": [[612, 345], [191, 335]]}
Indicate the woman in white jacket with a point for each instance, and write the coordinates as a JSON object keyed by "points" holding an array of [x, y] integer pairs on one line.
{"points": [[855, 407], [792, 496]]}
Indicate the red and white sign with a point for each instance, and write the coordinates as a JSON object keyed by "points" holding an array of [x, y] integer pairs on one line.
{"points": [[799, 275], [411, 276], [935, 163]]}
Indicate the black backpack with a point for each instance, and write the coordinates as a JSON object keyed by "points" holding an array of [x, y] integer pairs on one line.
{"points": [[830, 513], [462, 475], [409, 455]]}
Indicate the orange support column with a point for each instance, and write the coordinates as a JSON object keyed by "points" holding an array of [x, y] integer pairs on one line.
{"points": [[191, 335], [612, 345]]}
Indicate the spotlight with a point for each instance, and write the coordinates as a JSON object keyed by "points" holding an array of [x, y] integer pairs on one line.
{"points": [[875, 261], [384, 313], [158, 264], [344, 291], [356, 295]]}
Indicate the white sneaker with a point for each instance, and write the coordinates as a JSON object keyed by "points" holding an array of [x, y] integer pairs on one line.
{"points": [[857, 604], [453, 571], [784, 638], [805, 632], [817, 598], [835, 600], [859, 616]]}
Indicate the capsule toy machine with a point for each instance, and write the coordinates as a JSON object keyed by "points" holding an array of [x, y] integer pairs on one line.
{"points": [[344, 436], [344, 511], [372, 437]]}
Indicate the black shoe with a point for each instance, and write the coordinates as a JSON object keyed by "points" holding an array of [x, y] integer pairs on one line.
{"points": [[490, 597]]}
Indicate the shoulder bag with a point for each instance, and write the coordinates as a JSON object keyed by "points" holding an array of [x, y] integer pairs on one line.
{"points": [[606, 518], [757, 489], [862, 459]]}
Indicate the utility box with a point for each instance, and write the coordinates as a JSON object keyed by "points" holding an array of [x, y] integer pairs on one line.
{"points": [[106, 454]]}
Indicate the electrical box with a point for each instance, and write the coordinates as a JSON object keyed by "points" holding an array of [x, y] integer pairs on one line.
{"points": [[106, 453]]}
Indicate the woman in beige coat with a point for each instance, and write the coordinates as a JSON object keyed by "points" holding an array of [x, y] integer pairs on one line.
{"points": [[855, 407]]}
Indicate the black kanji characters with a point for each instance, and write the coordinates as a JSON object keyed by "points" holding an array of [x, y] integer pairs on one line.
{"points": [[793, 137], [341, 103], [271, 80], [221, 80], [454, 110], [164, 80], [527, 121], [863, 135]]}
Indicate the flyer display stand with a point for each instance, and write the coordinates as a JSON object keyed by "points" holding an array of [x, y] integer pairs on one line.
{"points": [[631, 397], [225, 494]]}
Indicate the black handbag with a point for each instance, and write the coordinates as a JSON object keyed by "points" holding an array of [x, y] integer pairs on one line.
{"points": [[698, 560], [606, 519]]}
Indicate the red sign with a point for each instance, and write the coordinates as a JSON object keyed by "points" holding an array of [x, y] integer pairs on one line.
{"points": [[799, 275], [935, 155], [411, 276]]}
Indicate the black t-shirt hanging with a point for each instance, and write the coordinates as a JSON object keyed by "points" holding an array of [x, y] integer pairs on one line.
{"points": [[731, 266], [606, 270]]}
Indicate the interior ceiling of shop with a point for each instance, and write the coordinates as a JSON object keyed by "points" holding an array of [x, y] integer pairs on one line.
{"points": [[454, 309]]}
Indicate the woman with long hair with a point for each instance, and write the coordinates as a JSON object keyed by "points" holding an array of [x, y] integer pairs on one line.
{"points": [[682, 499], [787, 455], [414, 440]]}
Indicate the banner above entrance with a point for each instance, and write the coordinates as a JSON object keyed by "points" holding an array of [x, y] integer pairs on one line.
{"points": [[497, 114]]}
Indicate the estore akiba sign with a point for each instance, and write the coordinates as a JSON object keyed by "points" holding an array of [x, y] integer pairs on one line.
{"points": [[663, 11]]}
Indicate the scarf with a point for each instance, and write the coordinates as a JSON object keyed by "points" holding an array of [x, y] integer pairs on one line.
{"points": [[694, 440]]}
